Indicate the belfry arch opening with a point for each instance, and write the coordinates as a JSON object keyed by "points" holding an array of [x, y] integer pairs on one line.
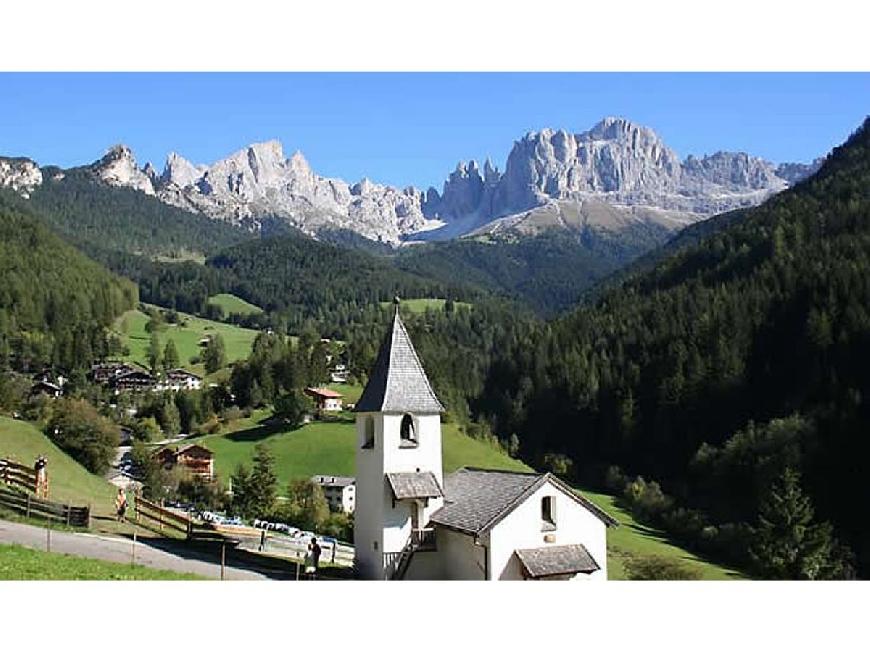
{"points": [[407, 431]]}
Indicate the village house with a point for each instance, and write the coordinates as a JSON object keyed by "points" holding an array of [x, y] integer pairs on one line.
{"points": [[196, 459], [412, 522], [176, 380], [104, 372], [340, 492], [47, 388], [339, 373], [136, 380], [325, 399]]}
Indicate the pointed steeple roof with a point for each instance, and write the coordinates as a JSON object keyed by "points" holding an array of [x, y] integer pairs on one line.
{"points": [[398, 382]]}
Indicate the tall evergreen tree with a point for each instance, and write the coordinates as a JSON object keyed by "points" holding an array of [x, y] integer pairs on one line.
{"points": [[170, 355], [789, 545], [264, 482], [215, 356], [154, 355]]}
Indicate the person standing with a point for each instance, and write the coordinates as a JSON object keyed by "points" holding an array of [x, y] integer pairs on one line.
{"points": [[121, 504], [312, 560], [41, 477]]}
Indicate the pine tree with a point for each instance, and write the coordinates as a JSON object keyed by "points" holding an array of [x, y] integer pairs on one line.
{"points": [[154, 356], [263, 482], [215, 355], [170, 356], [789, 545]]}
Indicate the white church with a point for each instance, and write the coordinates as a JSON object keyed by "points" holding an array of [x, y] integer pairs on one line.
{"points": [[413, 523]]}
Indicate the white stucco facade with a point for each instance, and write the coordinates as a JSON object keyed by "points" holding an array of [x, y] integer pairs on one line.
{"points": [[382, 525], [523, 528]]}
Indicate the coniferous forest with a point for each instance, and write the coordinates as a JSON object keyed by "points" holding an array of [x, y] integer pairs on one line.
{"points": [[55, 303]]}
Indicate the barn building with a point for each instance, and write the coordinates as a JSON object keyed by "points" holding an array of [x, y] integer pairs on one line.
{"points": [[412, 522]]}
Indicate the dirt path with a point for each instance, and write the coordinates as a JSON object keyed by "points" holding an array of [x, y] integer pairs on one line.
{"points": [[154, 554]]}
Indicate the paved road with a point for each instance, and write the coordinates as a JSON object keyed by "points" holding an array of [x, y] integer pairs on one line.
{"points": [[154, 554]]}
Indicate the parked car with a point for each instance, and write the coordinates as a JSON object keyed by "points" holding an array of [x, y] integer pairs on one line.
{"points": [[235, 520]]}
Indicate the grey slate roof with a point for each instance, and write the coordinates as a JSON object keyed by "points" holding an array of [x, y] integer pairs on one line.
{"points": [[333, 480], [557, 560], [475, 500], [414, 485], [398, 382]]}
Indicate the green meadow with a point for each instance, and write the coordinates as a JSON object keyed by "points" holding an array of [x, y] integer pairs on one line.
{"points": [[232, 304], [131, 328], [20, 563]]}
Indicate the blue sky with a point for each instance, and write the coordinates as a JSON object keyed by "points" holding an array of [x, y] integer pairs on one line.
{"points": [[412, 129]]}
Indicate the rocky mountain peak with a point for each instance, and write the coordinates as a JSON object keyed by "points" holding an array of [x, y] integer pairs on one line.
{"points": [[180, 172], [118, 168], [20, 174]]}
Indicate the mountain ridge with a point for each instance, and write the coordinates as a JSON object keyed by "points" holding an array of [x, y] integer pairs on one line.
{"points": [[617, 162]]}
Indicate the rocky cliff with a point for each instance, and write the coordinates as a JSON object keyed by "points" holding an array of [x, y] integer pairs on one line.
{"points": [[20, 174]]}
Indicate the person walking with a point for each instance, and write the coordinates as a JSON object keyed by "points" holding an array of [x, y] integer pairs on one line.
{"points": [[121, 504], [312, 559]]}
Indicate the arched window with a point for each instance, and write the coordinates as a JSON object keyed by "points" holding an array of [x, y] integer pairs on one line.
{"points": [[407, 434], [369, 433]]}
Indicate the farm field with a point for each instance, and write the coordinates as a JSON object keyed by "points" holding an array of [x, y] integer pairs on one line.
{"points": [[20, 563], [419, 306], [233, 304], [131, 327]]}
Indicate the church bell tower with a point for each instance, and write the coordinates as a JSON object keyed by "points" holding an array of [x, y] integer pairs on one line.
{"points": [[399, 477]]}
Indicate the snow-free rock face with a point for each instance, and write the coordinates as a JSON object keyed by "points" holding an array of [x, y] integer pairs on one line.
{"points": [[795, 172], [20, 174], [118, 168], [617, 162], [260, 182]]}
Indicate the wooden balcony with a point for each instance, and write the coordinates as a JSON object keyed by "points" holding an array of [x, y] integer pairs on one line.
{"points": [[424, 539]]}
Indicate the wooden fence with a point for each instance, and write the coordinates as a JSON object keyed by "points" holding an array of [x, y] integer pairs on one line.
{"points": [[168, 519], [163, 517], [25, 503], [17, 475]]}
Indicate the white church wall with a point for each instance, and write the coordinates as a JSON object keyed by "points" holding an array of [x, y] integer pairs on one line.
{"points": [[368, 534], [380, 526], [523, 528], [461, 559]]}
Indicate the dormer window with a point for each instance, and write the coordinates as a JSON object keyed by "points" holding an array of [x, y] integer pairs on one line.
{"points": [[369, 433], [407, 432], [548, 513]]}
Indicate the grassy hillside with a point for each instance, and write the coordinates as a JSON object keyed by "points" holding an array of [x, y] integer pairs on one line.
{"points": [[328, 448], [20, 563], [131, 327], [631, 539], [232, 304], [68, 480]]}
